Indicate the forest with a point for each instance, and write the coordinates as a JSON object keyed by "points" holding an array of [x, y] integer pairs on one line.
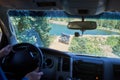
{"points": [[78, 45]]}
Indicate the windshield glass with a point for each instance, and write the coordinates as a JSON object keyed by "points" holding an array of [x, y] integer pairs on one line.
{"points": [[49, 29]]}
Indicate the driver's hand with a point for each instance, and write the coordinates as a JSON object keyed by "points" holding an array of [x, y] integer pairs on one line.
{"points": [[35, 75], [5, 51]]}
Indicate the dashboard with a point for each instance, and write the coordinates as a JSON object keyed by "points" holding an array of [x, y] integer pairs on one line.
{"points": [[67, 66]]}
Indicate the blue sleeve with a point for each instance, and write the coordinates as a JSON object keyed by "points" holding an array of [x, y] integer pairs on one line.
{"points": [[25, 78], [2, 75]]}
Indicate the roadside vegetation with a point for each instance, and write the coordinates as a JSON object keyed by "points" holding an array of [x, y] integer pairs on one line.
{"points": [[95, 45], [85, 45], [88, 45], [39, 24], [114, 42]]}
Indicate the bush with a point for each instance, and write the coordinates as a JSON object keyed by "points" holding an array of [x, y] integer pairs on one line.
{"points": [[116, 50], [112, 41], [85, 45]]}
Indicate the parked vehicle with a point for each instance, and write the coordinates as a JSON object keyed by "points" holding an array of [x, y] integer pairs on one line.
{"points": [[64, 38]]}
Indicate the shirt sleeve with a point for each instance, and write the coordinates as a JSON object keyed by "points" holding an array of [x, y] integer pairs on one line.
{"points": [[25, 78]]}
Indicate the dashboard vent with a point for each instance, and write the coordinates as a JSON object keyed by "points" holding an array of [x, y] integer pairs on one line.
{"points": [[116, 71], [66, 64]]}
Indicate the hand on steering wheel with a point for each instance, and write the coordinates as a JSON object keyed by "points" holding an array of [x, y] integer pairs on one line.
{"points": [[23, 58], [34, 75]]}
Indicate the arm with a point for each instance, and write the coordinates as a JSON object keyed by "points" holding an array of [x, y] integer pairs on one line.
{"points": [[34, 75], [5, 51]]}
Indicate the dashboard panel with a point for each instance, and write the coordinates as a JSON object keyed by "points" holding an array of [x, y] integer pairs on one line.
{"points": [[60, 65], [88, 70], [56, 65]]}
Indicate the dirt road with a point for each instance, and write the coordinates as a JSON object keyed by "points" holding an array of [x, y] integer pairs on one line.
{"points": [[58, 45], [107, 50]]}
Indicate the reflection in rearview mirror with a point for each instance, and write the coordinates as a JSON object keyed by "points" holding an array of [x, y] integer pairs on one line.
{"points": [[82, 25]]}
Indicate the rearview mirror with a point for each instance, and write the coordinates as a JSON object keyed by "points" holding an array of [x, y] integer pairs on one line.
{"points": [[82, 25]]}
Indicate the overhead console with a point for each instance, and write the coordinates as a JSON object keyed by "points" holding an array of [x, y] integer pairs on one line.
{"points": [[84, 7], [73, 7], [48, 4], [113, 5]]}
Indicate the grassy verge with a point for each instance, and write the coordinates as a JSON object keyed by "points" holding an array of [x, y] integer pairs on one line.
{"points": [[97, 46]]}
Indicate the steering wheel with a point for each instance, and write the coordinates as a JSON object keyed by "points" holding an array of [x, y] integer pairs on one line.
{"points": [[23, 58]]}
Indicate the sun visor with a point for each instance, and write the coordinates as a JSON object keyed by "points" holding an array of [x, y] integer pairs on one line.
{"points": [[31, 4], [50, 4], [113, 5]]}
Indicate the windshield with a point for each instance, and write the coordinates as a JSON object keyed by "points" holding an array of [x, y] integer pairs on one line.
{"points": [[49, 29]]}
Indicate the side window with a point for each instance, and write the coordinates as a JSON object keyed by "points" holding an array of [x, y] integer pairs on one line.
{"points": [[0, 34]]}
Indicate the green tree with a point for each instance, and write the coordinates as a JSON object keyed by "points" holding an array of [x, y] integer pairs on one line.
{"points": [[116, 48], [41, 25], [117, 26], [23, 24], [112, 41]]}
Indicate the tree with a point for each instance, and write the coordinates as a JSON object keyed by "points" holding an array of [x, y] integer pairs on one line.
{"points": [[41, 25], [116, 48], [117, 26], [26, 22]]}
